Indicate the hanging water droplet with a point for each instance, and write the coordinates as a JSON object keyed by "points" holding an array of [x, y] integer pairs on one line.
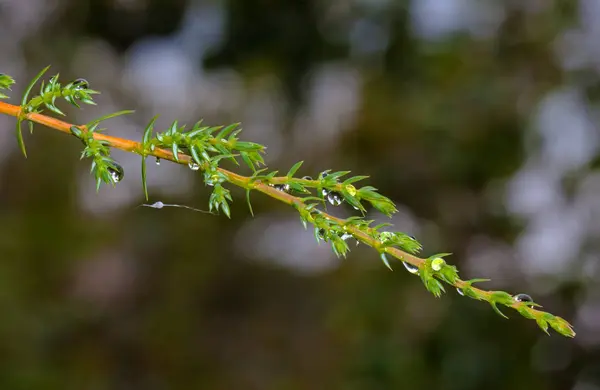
{"points": [[116, 172], [157, 205], [522, 298], [413, 269], [346, 236], [385, 261], [157, 161], [80, 84], [334, 198], [324, 192], [282, 187], [460, 292], [307, 178], [193, 166]]}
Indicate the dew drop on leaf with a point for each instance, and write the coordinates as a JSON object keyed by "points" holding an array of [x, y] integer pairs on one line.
{"points": [[460, 292], [116, 172], [307, 178], [351, 189], [522, 298], [413, 269], [80, 84], [193, 166], [157, 161], [437, 264], [334, 198]]}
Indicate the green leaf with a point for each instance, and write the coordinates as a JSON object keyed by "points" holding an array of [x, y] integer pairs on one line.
{"points": [[175, 150], [5, 82], [109, 116], [248, 201], [20, 137], [493, 304], [225, 132], [354, 179], [148, 131], [294, 169], [225, 208], [543, 324], [30, 87], [144, 184]]}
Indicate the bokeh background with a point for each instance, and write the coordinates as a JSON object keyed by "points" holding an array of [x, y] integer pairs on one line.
{"points": [[478, 117]]}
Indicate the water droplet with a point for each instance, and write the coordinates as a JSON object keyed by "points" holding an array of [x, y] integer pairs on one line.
{"points": [[385, 261], [307, 178], [212, 180], [282, 187], [351, 189], [157, 205], [522, 298], [334, 198], [437, 264], [324, 192], [157, 161], [324, 174], [413, 269], [116, 172], [460, 292], [81, 84], [346, 236], [193, 166]]}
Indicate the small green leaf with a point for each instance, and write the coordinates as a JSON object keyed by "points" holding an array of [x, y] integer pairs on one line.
{"points": [[109, 116], [31, 85], [248, 201], [225, 208], [294, 169], [20, 137], [144, 184], [148, 131], [493, 304], [543, 324], [175, 150], [226, 130]]}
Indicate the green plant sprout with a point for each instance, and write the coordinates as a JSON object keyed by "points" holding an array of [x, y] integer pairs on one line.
{"points": [[202, 148]]}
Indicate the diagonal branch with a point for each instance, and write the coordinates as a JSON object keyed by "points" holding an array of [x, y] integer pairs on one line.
{"points": [[524, 307]]}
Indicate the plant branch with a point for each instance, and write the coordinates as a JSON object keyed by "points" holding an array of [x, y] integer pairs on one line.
{"points": [[431, 269]]}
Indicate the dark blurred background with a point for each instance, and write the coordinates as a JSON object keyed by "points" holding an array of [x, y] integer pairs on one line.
{"points": [[478, 117]]}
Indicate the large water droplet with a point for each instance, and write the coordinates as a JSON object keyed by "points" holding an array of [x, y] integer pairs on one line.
{"points": [[522, 298], [80, 84], [413, 269], [116, 172], [157, 205], [193, 166], [157, 161], [334, 198], [460, 292]]}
